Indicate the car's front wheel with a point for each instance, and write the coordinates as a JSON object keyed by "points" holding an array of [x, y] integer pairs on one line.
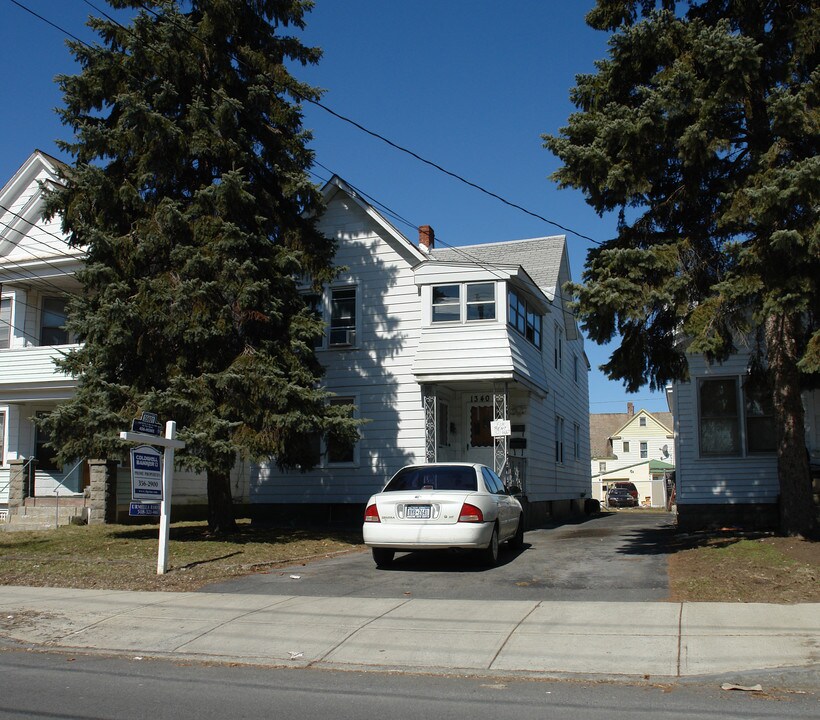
{"points": [[383, 556], [489, 555]]}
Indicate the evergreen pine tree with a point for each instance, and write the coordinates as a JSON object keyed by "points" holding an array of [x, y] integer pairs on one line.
{"points": [[701, 128], [189, 192]]}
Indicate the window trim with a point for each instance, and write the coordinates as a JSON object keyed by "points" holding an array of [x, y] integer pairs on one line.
{"points": [[559, 349], [644, 448]]}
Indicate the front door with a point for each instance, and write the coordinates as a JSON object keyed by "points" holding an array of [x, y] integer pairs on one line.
{"points": [[479, 416]]}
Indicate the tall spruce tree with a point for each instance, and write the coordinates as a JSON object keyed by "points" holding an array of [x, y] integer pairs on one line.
{"points": [[190, 195], [701, 129]]}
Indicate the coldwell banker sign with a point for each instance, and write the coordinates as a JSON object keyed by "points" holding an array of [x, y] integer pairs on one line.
{"points": [[146, 473]]}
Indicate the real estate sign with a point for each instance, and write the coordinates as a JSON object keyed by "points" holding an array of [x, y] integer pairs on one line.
{"points": [[146, 473]]}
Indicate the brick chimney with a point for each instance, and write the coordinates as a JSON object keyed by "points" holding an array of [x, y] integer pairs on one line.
{"points": [[630, 409], [427, 238]]}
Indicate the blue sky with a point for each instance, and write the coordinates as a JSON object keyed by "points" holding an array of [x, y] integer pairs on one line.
{"points": [[468, 84]]}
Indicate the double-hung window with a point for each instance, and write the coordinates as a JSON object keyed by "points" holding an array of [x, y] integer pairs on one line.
{"points": [[559, 439], [731, 421], [463, 302], [760, 434], [52, 322], [5, 323], [447, 303], [343, 315], [339, 452], [559, 348], [314, 302], [719, 417], [480, 301], [644, 450], [576, 441]]}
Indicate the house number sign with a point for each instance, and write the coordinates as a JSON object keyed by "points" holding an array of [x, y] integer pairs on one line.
{"points": [[480, 398]]}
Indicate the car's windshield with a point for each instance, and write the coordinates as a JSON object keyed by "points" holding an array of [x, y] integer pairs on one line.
{"points": [[433, 478]]}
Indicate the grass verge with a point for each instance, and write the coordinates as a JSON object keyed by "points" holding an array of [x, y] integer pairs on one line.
{"points": [[124, 557], [731, 567]]}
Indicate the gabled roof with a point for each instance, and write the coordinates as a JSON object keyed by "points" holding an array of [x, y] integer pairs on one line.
{"points": [[604, 426], [337, 184], [22, 200], [540, 257]]}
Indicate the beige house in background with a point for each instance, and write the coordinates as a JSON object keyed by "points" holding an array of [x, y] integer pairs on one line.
{"points": [[632, 447]]}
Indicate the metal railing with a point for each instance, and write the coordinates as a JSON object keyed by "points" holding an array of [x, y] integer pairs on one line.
{"points": [[514, 473]]}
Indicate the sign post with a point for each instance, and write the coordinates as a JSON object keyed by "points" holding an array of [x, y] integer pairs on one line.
{"points": [[170, 443]]}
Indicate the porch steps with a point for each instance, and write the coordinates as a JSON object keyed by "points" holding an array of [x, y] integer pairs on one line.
{"points": [[42, 518]]}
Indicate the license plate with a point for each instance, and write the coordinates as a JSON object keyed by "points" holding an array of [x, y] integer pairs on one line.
{"points": [[418, 512]]}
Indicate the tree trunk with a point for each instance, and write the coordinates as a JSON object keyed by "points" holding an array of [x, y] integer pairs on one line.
{"points": [[221, 519], [796, 506]]}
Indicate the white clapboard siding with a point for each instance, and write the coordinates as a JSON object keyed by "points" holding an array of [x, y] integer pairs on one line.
{"points": [[377, 372], [29, 373], [710, 480]]}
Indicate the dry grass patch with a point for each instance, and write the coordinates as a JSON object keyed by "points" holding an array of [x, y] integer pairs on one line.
{"points": [[124, 557], [726, 567]]}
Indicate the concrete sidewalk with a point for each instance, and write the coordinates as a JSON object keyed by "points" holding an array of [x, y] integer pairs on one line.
{"points": [[546, 639]]}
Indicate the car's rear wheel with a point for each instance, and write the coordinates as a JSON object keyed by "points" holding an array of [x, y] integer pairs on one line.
{"points": [[383, 556], [517, 540], [489, 555]]}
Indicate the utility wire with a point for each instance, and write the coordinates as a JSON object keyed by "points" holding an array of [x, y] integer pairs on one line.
{"points": [[374, 134], [342, 117]]}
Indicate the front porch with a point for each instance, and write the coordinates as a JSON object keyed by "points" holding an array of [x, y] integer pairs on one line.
{"points": [[478, 422]]}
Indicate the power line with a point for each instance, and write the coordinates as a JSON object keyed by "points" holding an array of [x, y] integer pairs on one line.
{"points": [[346, 119], [376, 135]]}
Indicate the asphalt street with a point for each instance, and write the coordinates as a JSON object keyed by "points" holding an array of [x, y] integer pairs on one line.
{"points": [[69, 686], [618, 557]]}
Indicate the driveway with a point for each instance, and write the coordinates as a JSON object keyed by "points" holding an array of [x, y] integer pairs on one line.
{"points": [[617, 556]]}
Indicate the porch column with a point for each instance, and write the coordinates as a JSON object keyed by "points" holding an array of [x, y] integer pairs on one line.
{"points": [[102, 506], [18, 484], [500, 443], [430, 425]]}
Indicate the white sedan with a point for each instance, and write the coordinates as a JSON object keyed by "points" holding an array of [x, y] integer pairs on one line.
{"points": [[443, 505]]}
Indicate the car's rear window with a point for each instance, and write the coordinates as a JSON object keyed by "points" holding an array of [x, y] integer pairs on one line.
{"points": [[433, 478]]}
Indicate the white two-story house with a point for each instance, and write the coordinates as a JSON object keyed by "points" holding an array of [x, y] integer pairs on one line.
{"points": [[448, 354], [633, 447]]}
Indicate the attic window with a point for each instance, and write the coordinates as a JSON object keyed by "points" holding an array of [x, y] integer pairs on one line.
{"points": [[642, 422]]}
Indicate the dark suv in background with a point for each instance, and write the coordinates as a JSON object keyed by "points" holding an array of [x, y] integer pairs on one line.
{"points": [[620, 497]]}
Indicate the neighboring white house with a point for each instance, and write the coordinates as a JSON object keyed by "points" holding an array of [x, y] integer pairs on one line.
{"points": [[725, 445], [36, 274], [430, 346], [630, 447]]}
